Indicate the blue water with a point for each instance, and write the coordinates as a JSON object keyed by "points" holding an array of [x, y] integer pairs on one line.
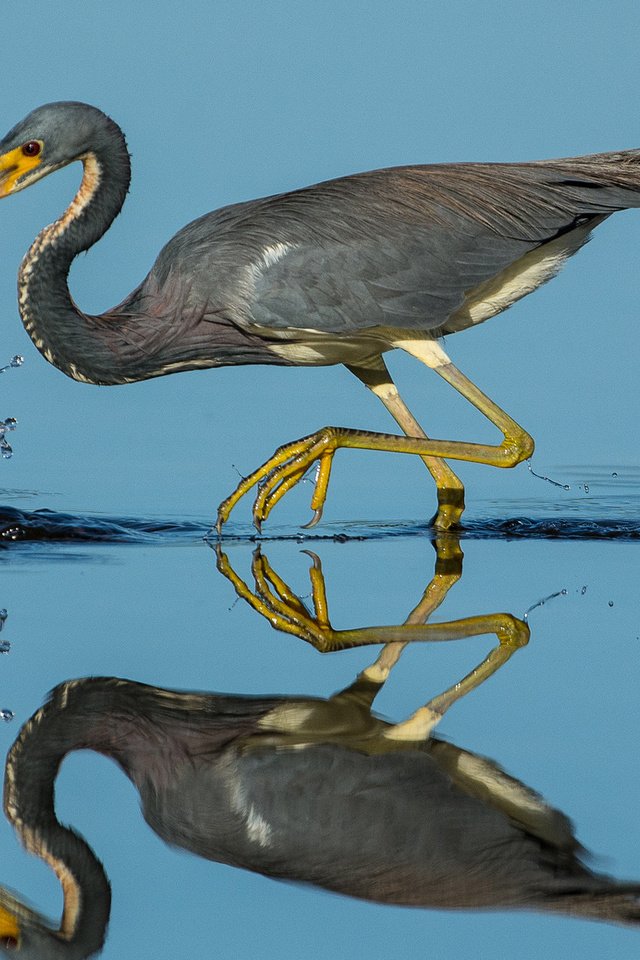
{"points": [[596, 518], [142, 598], [234, 101]]}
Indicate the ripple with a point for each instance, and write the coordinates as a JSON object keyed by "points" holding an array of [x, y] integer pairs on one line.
{"points": [[18, 526], [615, 519]]}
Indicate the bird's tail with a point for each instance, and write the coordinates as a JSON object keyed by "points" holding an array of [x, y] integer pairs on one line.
{"points": [[611, 903], [611, 180]]}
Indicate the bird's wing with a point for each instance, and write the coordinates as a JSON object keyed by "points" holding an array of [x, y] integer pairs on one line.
{"points": [[415, 280], [408, 248]]}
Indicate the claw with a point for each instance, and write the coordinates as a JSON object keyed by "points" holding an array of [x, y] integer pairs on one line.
{"points": [[315, 559], [316, 518]]}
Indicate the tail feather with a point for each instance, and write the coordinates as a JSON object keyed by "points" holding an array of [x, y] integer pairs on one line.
{"points": [[610, 903]]}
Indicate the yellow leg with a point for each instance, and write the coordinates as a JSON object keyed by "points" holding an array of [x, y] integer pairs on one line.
{"points": [[447, 573], [449, 487], [275, 601], [290, 462], [511, 633]]}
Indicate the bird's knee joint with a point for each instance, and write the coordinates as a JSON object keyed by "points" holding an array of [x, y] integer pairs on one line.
{"points": [[513, 632], [326, 436], [515, 450]]}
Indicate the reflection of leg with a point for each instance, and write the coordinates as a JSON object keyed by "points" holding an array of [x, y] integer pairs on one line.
{"points": [[274, 600], [450, 490], [447, 572], [511, 633]]}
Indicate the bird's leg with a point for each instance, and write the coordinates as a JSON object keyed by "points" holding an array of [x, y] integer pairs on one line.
{"points": [[274, 600], [370, 681], [511, 633], [291, 461], [450, 490], [517, 443], [448, 570]]}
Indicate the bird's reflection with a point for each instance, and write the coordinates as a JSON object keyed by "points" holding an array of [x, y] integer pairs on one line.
{"points": [[311, 790], [273, 599]]}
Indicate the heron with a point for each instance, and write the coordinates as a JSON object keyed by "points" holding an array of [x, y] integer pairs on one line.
{"points": [[341, 272], [296, 788]]}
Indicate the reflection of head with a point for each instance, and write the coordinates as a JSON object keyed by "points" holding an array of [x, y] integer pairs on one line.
{"points": [[295, 788], [25, 933]]}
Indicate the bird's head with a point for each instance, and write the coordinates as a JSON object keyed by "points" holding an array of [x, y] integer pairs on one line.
{"points": [[48, 138], [26, 934]]}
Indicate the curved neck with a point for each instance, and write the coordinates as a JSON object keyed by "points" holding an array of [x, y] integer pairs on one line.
{"points": [[61, 332], [31, 769]]}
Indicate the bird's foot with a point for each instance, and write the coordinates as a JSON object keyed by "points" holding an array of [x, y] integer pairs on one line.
{"points": [[283, 471]]}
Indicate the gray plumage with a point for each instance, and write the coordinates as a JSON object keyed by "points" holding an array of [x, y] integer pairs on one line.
{"points": [[298, 789], [339, 272], [402, 248]]}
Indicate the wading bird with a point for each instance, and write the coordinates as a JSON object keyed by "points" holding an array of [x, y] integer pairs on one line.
{"points": [[339, 272], [297, 788]]}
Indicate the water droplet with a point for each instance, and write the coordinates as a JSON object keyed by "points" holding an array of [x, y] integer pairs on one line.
{"points": [[7, 715], [614, 474], [586, 488], [541, 476], [5, 646], [16, 361], [610, 603], [583, 591]]}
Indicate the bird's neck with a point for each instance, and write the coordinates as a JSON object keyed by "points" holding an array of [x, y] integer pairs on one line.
{"points": [[31, 770], [62, 333]]}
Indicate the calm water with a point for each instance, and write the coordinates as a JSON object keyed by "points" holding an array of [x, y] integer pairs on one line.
{"points": [[115, 579], [143, 599]]}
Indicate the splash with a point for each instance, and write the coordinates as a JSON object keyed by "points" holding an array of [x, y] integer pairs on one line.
{"points": [[543, 601], [6, 715], [541, 476], [8, 425], [5, 646]]}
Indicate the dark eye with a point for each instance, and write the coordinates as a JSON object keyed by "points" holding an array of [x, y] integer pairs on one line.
{"points": [[32, 148], [9, 943]]}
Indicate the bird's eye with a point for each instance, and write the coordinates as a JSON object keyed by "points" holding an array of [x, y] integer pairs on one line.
{"points": [[31, 148], [9, 943]]}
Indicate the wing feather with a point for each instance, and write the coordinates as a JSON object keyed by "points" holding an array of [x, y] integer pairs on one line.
{"points": [[405, 247]]}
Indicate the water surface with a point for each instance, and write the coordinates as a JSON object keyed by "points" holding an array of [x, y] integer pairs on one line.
{"points": [[141, 598]]}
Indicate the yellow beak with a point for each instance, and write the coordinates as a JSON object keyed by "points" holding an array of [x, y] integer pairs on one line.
{"points": [[8, 925], [13, 166]]}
